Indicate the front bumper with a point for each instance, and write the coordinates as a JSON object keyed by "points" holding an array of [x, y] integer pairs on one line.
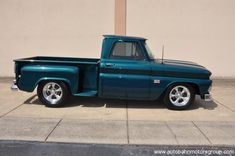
{"points": [[14, 87], [207, 97]]}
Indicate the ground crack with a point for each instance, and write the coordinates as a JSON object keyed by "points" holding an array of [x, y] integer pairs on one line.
{"points": [[172, 132], [11, 110], [202, 133], [53, 130], [127, 123]]}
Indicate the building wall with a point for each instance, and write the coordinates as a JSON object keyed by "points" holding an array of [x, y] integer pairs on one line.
{"points": [[196, 30], [202, 31], [52, 27]]}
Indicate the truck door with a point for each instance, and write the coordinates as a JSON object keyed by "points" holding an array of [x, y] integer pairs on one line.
{"points": [[126, 73]]}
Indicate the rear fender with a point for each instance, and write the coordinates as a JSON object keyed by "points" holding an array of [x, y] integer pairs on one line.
{"points": [[32, 75]]}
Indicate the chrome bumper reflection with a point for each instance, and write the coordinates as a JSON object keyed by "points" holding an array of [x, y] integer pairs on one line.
{"points": [[14, 87], [207, 97]]}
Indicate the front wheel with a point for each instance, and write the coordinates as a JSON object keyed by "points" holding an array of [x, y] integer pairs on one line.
{"points": [[179, 97], [52, 93]]}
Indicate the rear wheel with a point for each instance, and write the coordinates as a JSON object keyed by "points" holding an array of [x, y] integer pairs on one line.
{"points": [[179, 97], [52, 93]]}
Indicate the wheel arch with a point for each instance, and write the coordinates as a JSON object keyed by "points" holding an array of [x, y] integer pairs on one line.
{"points": [[46, 79], [194, 85]]}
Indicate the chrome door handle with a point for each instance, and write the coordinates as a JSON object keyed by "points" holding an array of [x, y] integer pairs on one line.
{"points": [[109, 64]]}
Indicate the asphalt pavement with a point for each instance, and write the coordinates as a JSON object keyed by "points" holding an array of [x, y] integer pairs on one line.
{"points": [[26, 148]]}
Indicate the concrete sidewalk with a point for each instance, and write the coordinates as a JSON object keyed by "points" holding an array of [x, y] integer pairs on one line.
{"points": [[94, 120]]}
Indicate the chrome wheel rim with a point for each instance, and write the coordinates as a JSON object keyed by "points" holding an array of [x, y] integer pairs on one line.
{"points": [[52, 92], [179, 95]]}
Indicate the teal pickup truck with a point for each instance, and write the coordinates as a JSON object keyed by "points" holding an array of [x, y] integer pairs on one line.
{"points": [[126, 70]]}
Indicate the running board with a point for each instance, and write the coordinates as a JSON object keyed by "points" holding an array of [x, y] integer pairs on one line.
{"points": [[88, 93]]}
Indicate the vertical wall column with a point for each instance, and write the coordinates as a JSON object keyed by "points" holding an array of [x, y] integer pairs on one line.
{"points": [[120, 17]]}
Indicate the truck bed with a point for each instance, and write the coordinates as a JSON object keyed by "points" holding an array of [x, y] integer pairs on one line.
{"points": [[49, 59], [88, 70]]}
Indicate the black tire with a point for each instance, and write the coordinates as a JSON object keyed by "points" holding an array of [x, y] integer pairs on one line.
{"points": [[177, 105], [50, 102]]}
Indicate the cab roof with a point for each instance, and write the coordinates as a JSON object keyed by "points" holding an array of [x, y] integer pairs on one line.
{"points": [[124, 37]]}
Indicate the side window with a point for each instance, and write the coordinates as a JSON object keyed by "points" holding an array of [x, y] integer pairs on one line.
{"points": [[127, 51]]}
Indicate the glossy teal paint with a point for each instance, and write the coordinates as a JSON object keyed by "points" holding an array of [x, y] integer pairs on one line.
{"points": [[32, 75], [145, 79], [135, 79], [127, 79]]}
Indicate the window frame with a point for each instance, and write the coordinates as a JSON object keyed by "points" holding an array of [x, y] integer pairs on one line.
{"points": [[137, 42]]}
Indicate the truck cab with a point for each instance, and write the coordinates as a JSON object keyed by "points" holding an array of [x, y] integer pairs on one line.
{"points": [[127, 69]]}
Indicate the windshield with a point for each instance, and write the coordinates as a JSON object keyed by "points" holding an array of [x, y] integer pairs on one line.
{"points": [[151, 56]]}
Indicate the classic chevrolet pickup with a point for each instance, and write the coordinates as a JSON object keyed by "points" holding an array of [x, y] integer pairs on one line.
{"points": [[127, 70]]}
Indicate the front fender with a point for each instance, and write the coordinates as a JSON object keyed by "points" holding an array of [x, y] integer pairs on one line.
{"points": [[32, 75], [164, 82], [202, 85]]}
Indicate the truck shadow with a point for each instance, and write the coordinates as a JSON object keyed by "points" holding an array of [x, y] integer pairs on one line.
{"points": [[114, 103]]}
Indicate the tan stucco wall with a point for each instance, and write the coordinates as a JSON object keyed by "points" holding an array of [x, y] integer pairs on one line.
{"points": [[52, 27], [198, 30]]}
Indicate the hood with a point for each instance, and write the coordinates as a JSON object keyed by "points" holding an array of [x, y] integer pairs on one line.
{"points": [[178, 68], [181, 63]]}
